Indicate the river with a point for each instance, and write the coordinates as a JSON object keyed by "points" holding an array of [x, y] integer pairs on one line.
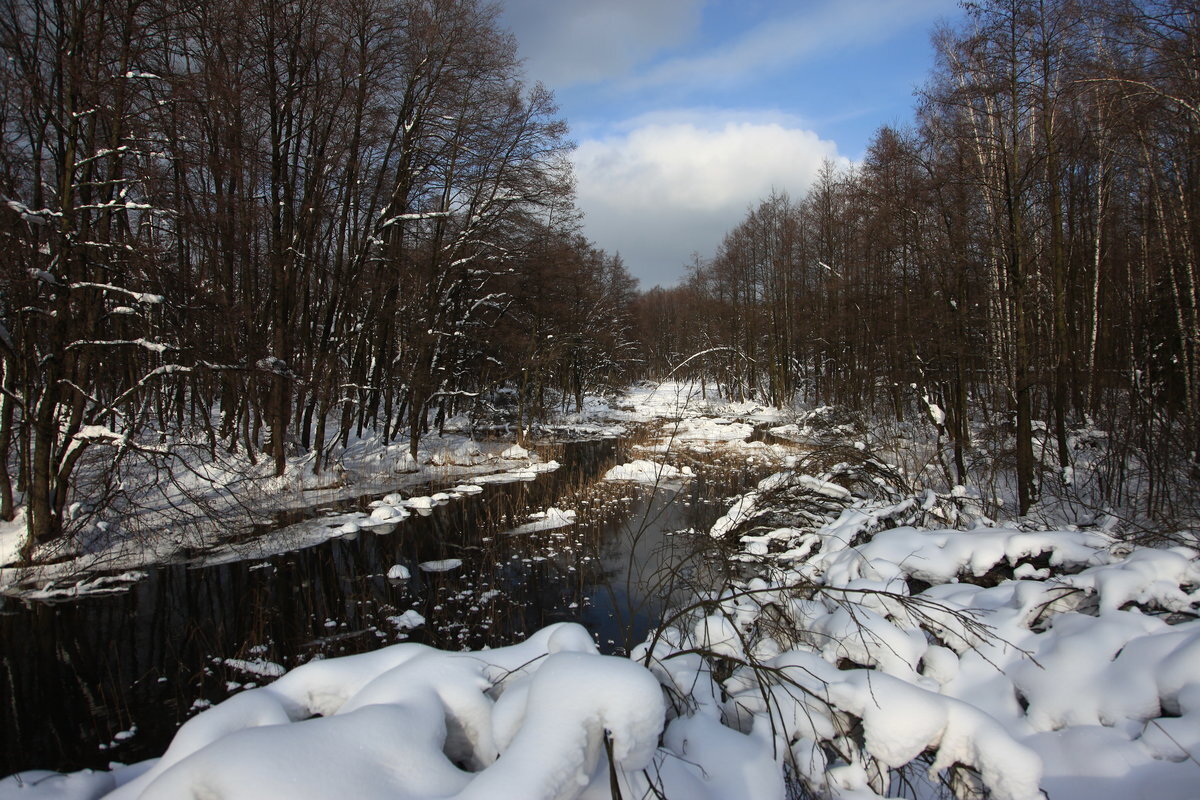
{"points": [[111, 677]]}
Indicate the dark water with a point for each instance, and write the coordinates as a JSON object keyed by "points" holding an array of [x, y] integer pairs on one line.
{"points": [[75, 676]]}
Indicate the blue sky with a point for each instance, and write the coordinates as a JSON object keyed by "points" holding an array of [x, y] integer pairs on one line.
{"points": [[687, 112]]}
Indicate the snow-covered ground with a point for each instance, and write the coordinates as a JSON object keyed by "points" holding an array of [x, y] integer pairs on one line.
{"points": [[877, 642], [886, 649], [857, 656], [216, 501]]}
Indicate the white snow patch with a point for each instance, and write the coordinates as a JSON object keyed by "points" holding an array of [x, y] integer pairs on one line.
{"points": [[549, 519], [260, 667], [407, 621], [515, 452], [643, 471], [444, 565]]}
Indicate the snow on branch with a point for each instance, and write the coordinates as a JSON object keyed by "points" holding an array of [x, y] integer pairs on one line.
{"points": [[27, 214], [455, 393], [127, 205], [694, 356], [275, 366], [99, 434], [99, 154], [419, 215], [141, 297], [154, 347], [221, 367], [111, 408]]}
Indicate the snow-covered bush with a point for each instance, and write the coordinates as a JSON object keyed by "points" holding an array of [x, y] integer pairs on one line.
{"points": [[1003, 662]]}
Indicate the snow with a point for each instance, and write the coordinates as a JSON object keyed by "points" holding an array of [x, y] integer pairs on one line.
{"points": [[399, 722], [1109, 695], [643, 471], [259, 667], [866, 648], [1110, 699], [443, 565], [388, 513], [550, 519], [515, 452], [13, 536], [706, 429], [1092, 658], [936, 414], [228, 487], [363, 468], [407, 621], [674, 402], [421, 503], [140, 297]]}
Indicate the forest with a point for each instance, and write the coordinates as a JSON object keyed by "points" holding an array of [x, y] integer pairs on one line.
{"points": [[339, 461], [261, 226], [1021, 256], [258, 226]]}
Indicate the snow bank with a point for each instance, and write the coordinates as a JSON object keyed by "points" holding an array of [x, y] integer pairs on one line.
{"points": [[523, 722], [709, 429], [515, 452], [685, 400], [1015, 662], [13, 535], [229, 488]]}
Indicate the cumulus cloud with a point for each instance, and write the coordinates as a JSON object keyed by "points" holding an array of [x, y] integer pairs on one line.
{"points": [[670, 185], [568, 42]]}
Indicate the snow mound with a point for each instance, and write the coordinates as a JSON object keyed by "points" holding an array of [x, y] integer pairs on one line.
{"points": [[461, 453], [709, 429], [388, 514], [515, 452], [407, 621], [444, 565], [525, 722], [643, 471], [547, 520]]}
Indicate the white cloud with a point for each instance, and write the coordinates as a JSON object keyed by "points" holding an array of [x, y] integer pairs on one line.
{"points": [[674, 184], [567, 42]]}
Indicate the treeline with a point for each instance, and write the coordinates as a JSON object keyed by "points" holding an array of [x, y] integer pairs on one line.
{"points": [[267, 225], [1025, 252]]}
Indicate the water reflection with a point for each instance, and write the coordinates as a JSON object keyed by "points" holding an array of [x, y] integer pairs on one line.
{"points": [[77, 677]]}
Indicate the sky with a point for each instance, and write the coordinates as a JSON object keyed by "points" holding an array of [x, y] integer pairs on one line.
{"points": [[688, 112]]}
